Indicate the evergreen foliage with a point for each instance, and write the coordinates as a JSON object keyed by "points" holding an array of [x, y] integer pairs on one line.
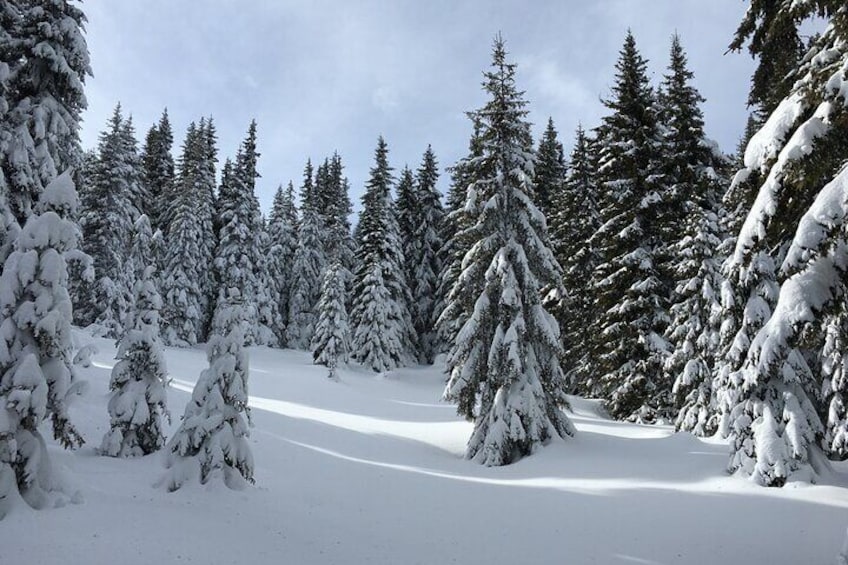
{"points": [[138, 400], [331, 340], [574, 220], [212, 437], [307, 270], [504, 367], [37, 377], [113, 199], [279, 253], [383, 335], [629, 347], [159, 172], [187, 275]]}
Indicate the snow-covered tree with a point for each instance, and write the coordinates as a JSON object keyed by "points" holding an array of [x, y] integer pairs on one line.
{"points": [[331, 340], [280, 253], [504, 368], [37, 376], [212, 437], [307, 270], [159, 172], [187, 274], [574, 220], [629, 347], [797, 162], [692, 173], [451, 315], [112, 204], [550, 170], [383, 335], [694, 326], [45, 62], [425, 259], [138, 400], [239, 255]]}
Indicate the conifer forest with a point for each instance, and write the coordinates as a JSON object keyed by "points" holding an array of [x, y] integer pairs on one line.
{"points": [[621, 344]]}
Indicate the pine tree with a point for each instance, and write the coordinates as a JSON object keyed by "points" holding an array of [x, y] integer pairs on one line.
{"points": [[331, 340], [240, 241], [425, 258], [138, 401], [407, 209], [307, 270], [383, 336], [212, 438], [159, 172], [574, 220], [504, 367], [113, 199], [629, 347], [186, 266], [37, 376], [280, 253], [550, 170]]}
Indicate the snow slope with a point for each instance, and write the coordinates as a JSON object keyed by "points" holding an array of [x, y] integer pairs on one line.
{"points": [[370, 470]]}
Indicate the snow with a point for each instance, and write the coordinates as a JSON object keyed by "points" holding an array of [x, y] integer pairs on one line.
{"points": [[371, 470]]}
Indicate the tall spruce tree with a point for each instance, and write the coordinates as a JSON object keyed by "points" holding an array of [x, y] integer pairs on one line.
{"points": [[383, 335], [574, 220], [113, 198], [239, 256], [505, 373], [693, 174], [186, 271], [451, 315], [796, 227], [550, 170], [307, 270], [425, 259], [629, 346], [159, 172], [280, 253]]}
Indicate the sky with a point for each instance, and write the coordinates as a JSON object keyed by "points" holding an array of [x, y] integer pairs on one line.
{"points": [[321, 76]]}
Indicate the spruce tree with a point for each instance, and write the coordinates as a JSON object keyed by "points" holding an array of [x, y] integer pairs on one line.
{"points": [[212, 438], [239, 257], [425, 258], [159, 172], [47, 62], [550, 170], [383, 336], [138, 400], [690, 254], [504, 368], [280, 253], [451, 315], [574, 220], [340, 244], [795, 227], [307, 270], [629, 347], [113, 199], [37, 376], [186, 271], [331, 340]]}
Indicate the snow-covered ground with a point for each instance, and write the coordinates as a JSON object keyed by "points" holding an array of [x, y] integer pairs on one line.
{"points": [[369, 470]]}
